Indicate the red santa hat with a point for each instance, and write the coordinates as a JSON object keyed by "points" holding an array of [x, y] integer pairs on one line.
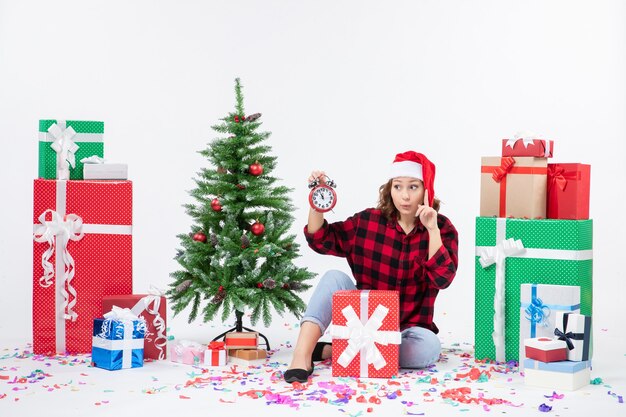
{"points": [[415, 165]]}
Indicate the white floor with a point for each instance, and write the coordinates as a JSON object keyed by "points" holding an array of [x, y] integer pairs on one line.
{"points": [[70, 387]]}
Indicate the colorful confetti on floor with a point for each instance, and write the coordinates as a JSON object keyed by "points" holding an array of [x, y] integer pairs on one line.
{"points": [[457, 383]]}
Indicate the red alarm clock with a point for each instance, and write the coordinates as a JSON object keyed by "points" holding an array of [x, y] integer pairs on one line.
{"points": [[322, 197]]}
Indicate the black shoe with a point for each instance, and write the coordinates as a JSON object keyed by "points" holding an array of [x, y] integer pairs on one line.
{"points": [[298, 375], [317, 352]]}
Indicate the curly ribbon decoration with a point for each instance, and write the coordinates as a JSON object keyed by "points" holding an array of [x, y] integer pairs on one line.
{"points": [[497, 255], [64, 228], [537, 312], [151, 304], [506, 164], [65, 148], [362, 337]]}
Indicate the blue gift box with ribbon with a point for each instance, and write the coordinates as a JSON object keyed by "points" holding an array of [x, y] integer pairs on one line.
{"points": [[118, 342]]}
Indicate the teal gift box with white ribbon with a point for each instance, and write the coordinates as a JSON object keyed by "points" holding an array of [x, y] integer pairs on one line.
{"points": [[512, 252], [63, 143]]}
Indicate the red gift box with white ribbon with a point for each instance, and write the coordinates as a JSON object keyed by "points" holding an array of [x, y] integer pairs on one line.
{"points": [[82, 252], [150, 307], [366, 333]]}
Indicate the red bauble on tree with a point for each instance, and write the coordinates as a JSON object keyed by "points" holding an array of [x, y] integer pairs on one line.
{"points": [[259, 285], [257, 228], [255, 169], [236, 119], [199, 237], [215, 205]]}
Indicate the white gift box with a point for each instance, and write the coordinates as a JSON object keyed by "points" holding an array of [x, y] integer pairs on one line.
{"points": [[539, 305], [564, 375], [105, 171], [576, 328]]}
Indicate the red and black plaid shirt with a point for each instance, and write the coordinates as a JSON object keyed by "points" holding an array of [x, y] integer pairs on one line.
{"points": [[382, 257]]}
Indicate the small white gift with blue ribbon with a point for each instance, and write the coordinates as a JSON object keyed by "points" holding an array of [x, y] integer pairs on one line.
{"points": [[118, 340]]}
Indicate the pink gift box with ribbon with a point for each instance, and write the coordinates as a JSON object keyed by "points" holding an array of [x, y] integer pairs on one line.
{"points": [[82, 252], [150, 307], [366, 333], [187, 352]]}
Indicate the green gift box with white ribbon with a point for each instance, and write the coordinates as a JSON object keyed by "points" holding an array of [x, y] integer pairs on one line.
{"points": [[512, 252], [63, 143]]}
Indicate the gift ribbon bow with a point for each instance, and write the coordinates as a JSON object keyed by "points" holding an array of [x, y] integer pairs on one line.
{"points": [[568, 336], [363, 337], [498, 255], [130, 324], [65, 228], [65, 148], [556, 177], [537, 312], [217, 345], [526, 138], [506, 164], [151, 304]]}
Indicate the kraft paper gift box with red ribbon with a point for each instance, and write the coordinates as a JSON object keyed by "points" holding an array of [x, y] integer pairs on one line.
{"points": [[187, 352], [366, 333], [118, 340], [575, 330], [512, 252], [563, 375], [64, 143], [82, 252], [539, 306], [150, 307], [568, 191], [527, 146], [545, 349], [215, 355], [241, 340], [513, 187]]}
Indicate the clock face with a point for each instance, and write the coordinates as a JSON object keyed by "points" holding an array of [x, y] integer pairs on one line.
{"points": [[323, 198]]}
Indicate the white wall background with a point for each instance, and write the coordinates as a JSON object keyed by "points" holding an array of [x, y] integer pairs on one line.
{"points": [[343, 86]]}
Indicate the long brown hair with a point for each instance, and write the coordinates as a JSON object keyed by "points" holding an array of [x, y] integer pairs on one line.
{"points": [[385, 202]]}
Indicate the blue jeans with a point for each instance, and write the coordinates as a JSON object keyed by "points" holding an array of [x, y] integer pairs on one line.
{"points": [[419, 348]]}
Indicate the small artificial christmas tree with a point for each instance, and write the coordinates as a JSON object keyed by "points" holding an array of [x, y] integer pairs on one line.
{"points": [[239, 254]]}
